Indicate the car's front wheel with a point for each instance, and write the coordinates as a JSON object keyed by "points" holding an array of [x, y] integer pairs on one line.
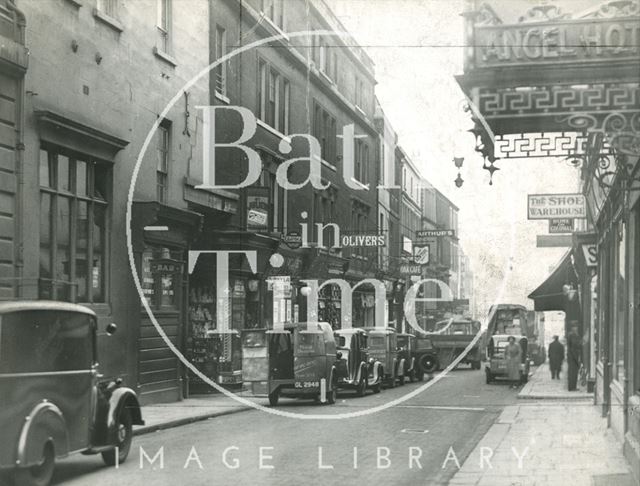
{"points": [[125, 434], [332, 396], [39, 475], [362, 387], [429, 363], [273, 398], [489, 377]]}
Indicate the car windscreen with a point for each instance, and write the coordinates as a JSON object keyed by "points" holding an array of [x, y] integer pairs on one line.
{"points": [[460, 328], [308, 343], [403, 341], [376, 342], [44, 341]]}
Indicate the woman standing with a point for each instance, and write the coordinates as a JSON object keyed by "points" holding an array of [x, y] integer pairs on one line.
{"points": [[513, 357]]}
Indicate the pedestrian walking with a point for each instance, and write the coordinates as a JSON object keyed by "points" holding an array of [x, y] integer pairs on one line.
{"points": [[574, 356], [556, 357], [513, 358]]}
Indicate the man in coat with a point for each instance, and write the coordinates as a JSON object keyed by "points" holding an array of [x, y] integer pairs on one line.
{"points": [[574, 356], [556, 357]]}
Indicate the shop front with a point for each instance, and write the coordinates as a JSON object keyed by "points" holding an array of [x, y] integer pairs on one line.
{"points": [[161, 240]]}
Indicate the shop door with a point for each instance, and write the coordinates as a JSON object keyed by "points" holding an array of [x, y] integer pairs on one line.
{"points": [[159, 370]]}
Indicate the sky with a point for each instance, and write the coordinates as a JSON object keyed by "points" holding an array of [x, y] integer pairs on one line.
{"points": [[416, 46]]}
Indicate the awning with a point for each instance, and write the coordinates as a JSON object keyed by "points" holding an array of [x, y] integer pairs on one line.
{"points": [[549, 295]]}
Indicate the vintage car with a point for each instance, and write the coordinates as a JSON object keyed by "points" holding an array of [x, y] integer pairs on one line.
{"points": [[383, 347], [496, 366], [296, 361], [53, 399], [356, 370], [408, 351]]}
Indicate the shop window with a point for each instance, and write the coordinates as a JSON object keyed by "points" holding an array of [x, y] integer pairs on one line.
{"points": [[161, 277], [73, 227]]}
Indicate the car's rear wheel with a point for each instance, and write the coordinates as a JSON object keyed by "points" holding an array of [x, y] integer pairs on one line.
{"points": [[273, 398], [39, 475], [332, 396], [125, 434], [412, 376], [429, 363], [420, 375], [401, 380], [489, 377], [391, 381]]}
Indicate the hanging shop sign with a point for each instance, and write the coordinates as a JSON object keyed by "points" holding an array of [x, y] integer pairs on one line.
{"points": [[422, 254], [587, 40], [257, 208], [363, 240], [554, 241], [561, 225], [555, 206], [590, 253], [435, 233], [165, 265], [293, 239], [410, 269]]}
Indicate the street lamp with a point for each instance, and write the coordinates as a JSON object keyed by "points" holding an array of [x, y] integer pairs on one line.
{"points": [[458, 163]]}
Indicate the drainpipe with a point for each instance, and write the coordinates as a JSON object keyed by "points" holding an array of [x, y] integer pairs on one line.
{"points": [[19, 154]]}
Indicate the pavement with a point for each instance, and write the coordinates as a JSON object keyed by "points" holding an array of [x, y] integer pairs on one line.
{"points": [[541, 386], [166, 415], [558, 439]]}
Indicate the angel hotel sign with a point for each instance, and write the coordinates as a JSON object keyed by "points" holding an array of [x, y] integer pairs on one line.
{"points": [[560, 41]]}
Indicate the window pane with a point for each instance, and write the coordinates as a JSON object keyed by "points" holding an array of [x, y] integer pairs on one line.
{"points": [[81, 178], [98, 236], [148, 284], [45, 246], [82, 247], [63, 173], [63, 249], [46, 170], [100, 181]]}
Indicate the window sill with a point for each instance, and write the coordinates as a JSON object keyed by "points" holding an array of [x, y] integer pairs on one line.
{"points": [[108, 20], [165, 57], [75, 3], [326, 77], [219, 96], [277, 133], [364, 187], [275, 27]]}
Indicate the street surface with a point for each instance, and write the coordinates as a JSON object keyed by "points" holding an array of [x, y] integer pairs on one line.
{"points": [[454, 413]]}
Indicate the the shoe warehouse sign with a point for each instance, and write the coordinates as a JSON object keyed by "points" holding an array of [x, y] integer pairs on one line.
{"points": [[561, 41], [554, 206]]}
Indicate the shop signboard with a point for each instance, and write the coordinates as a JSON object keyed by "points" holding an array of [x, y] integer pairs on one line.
{"points": [[257, 208], [435, 233], [590, 253], [293, 239], [422, 254], [410, 269], [593, 40], [561, 225], [554, 206], [554, 241]]}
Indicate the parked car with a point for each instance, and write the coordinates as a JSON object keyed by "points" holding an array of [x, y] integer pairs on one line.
{"points": [[356, 369], [496, 366], [408, 352], [298, 361], [383, 347], [53, 399]]}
